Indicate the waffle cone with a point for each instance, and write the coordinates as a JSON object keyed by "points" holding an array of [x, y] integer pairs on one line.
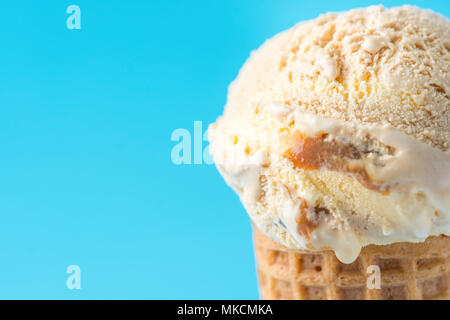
{"points": [[407, 271]]}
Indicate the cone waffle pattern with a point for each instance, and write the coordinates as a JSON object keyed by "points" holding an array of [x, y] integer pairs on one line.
{"points": [[408, 271]]}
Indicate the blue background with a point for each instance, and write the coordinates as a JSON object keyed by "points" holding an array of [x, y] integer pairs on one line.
{"points": [[86, 176]]}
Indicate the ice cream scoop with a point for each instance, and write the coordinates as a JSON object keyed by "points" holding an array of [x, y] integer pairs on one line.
{"points": [[336, 132]]}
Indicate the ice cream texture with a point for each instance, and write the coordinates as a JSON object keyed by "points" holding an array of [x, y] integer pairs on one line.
{"points": [[336, 132]]}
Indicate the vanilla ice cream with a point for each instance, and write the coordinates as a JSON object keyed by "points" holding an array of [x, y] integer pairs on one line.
{"points": [[336, 132]]}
